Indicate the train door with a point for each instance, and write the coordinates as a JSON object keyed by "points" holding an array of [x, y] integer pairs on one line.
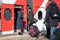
{"points": [[7, 18], [16, 8]]}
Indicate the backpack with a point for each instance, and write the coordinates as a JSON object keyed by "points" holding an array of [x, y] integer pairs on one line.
{"points": [[54, 10], [34, 32]]}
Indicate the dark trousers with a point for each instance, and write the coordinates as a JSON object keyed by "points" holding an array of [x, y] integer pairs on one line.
{"points": [[28, 25], [48, 32]]}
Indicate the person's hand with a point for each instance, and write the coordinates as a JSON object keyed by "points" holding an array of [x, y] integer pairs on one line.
{"points": [[58, 24]]}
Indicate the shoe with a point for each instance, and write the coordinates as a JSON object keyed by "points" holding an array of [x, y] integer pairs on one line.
{"points": [[20, 33]]}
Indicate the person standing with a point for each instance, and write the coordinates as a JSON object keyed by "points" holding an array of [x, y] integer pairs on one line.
{"points": [[52, 18], [19, 24], [30, 16]]}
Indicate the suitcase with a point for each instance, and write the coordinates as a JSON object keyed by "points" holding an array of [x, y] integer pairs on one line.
{"points": [[34, 32]]}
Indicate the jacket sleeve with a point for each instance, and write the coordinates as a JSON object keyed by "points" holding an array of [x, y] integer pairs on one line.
{"points": [[47, 13], [59, 16], [21, 16]]}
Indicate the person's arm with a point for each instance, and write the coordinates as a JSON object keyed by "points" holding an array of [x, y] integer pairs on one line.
{"points": [[59, 16], [21, 16], [47, 16]]}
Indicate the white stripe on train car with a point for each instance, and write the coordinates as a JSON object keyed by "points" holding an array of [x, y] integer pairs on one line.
{"points": [[42, 8], [41, 26], [7, 32], [8, 1]]}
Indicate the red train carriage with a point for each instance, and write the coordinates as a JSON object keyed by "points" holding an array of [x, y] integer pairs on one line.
{"points": [[9, 7], [7, 11]]}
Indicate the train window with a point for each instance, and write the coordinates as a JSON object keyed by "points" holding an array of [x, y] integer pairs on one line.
{"points": [[7, 14], [39, 15]]}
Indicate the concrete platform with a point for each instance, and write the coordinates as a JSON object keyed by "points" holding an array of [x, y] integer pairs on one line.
{"points": [[25, 36]]}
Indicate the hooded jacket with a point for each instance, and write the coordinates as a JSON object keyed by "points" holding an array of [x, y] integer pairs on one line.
{"points": [[49, 20]]}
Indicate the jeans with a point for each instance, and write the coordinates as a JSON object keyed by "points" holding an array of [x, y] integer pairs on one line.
{"points": [[51, 31]]}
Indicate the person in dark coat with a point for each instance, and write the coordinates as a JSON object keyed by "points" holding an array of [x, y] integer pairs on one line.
{"points": [[51, 22], [19, 24], [30, 16]]}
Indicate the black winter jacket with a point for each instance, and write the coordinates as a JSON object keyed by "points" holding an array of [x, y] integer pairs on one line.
{"points": [[51, 22]]}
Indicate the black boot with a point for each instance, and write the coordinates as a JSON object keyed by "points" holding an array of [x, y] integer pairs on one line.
{"points": [[20, 33]]}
